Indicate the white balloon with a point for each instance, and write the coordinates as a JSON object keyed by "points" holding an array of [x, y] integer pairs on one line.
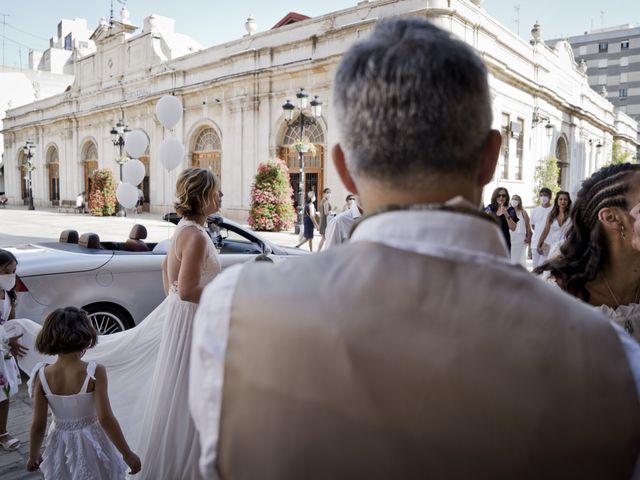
{"points": [[136, 143], [133, 172], [127, 195], [171, 153], [169, 111]]}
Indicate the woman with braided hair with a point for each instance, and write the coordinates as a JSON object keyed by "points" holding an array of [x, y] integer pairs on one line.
{"points": [[600, 260]]}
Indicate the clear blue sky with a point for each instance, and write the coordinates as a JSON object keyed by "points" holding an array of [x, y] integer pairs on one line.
{"points": [[32, 22]]}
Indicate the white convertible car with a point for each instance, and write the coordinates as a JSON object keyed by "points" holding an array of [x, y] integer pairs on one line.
{"points": [[118, 284]]}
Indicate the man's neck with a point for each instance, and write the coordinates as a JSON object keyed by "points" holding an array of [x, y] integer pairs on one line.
{"points": [[375, 195]]}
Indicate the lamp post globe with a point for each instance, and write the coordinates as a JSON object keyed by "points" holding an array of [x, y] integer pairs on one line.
{"points": [[304, 119]]}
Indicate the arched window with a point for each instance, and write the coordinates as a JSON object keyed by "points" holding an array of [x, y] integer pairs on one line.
{"points": [[207, 151], [562, 154], [54, 175], [313, 161]]}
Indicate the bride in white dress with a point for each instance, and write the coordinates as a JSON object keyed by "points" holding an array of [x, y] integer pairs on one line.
{"points": [[601, 261], [148, 366]]}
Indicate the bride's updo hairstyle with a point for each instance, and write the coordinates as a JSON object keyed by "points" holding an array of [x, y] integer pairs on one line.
{"points": [[66, 330], [584, 253], [193, 190]]}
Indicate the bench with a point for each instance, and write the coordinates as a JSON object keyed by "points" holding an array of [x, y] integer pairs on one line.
{"points": [[69, 206]]}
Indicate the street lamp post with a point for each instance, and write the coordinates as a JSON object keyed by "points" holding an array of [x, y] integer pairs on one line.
{"points": [[117, 138], [304, 119], [29, 151]]}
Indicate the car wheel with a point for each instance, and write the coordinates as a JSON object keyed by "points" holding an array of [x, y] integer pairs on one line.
{"points": [[108, 318]]}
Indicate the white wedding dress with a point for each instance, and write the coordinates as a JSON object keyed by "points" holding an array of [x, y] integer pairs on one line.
{"points": [[148, 371]]}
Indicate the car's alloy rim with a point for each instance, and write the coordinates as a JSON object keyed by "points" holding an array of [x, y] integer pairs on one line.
{"points": [[106, 323]]}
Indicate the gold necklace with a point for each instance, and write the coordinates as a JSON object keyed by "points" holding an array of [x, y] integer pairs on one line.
{"points": [[628, 325]]}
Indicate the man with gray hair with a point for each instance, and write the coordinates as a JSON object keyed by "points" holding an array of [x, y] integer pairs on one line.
{"points": [[416, 350]]}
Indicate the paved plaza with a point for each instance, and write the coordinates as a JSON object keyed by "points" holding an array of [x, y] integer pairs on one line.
{"points": [[20, 226]]}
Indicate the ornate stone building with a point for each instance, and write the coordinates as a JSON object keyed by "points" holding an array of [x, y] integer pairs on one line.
{"points": [[233, 95]]}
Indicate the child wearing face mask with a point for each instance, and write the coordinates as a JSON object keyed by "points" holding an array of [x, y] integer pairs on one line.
{"points": [[538, 221], [86, 440], [9, 346]]}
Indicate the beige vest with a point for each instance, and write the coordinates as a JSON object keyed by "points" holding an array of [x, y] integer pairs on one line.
{"points": [[368, 362]]}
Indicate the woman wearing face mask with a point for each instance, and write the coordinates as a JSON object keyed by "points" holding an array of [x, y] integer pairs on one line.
{"points": [[600, 260], [9, 346], [521, 236], [539, 217], [505, 213]]}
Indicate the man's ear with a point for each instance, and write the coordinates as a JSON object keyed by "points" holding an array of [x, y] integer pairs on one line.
{"points": [[341, 166], [489, 157]]}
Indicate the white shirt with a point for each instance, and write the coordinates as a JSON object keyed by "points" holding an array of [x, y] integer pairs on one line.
{"points": [[79, 201], [538, 220], [407, 230], [339, 227]]}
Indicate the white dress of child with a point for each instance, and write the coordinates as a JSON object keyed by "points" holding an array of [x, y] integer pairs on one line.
{"points": [[76, 446]]}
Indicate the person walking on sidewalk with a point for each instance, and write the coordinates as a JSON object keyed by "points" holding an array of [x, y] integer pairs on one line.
{"points": [[325, 212], [309, 221]]}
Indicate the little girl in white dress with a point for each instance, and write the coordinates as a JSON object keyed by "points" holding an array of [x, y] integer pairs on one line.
{"points": [[85, 440]]}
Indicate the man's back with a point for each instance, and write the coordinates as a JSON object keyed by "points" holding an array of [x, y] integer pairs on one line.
{"points": [[414, 366]]}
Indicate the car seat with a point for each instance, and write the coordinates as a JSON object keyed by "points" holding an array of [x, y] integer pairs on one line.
{"points": [[89, 240], [69, 236], [135, 241]]}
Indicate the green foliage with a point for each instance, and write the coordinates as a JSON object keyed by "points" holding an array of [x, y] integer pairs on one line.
{"points": [[546, 175], [102, 197], [271, 202], [619, 154]]}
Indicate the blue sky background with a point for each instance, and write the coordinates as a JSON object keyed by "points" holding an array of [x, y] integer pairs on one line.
{"points": [[31, 23]]}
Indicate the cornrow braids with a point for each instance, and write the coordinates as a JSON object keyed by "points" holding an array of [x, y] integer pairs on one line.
{"points": [[585, 251]]}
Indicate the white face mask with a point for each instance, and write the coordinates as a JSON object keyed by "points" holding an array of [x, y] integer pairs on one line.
{"points": [[544, 199], [515, 203], [8, 281]]}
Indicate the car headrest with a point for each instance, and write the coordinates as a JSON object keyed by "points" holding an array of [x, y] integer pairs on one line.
{"points": [[69, 236], [89, 240], [138, 232]]}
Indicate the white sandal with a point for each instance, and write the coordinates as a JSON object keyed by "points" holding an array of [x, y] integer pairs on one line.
{"points": [[9, 445]]}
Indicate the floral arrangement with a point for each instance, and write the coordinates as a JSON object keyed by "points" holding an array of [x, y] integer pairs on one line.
{"points": [[271, 198], [102, 198], [303, 146]]}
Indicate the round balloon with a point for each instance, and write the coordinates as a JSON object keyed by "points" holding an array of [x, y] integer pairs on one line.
{"points": [[136, 143], [127, 195], [171, 153], [133, 172], [169, 111]]}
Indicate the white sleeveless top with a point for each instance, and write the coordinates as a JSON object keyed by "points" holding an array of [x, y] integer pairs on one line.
{"points": [[211, 264]]}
